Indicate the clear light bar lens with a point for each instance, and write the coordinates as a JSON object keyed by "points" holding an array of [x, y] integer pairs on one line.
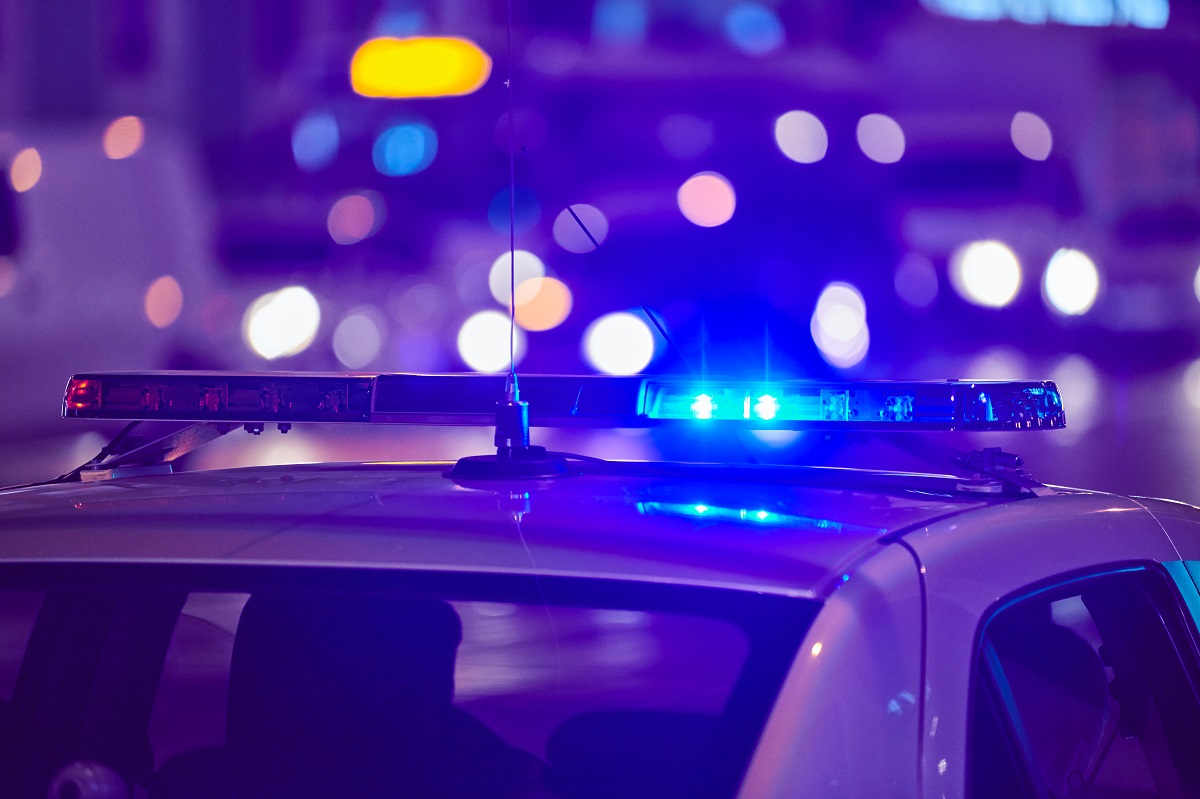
{"points": [[562, 401]]}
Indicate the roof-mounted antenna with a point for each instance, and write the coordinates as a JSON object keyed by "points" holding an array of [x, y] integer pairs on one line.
{"points": [[514, 456]]}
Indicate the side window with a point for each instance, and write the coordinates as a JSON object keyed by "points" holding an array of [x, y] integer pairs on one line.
{"points": [[1087, 689]]}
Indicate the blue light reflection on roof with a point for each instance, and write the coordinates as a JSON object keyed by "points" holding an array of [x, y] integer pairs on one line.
{"points": [[760, 518]]}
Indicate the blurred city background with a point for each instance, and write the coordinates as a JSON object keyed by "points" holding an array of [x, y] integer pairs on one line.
{"points": [[869, 188]]}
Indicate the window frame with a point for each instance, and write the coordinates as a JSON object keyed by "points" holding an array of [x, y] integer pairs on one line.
{"points": [[987, 680]]}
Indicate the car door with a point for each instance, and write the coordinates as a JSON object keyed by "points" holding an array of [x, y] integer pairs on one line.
{"points": [[1060, 656]]}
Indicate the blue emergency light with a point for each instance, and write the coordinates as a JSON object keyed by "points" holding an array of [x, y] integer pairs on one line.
{"points": [[562, 401]]}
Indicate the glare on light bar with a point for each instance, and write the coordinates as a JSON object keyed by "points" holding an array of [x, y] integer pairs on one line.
{"points": [[560, 401], [948, 405]]}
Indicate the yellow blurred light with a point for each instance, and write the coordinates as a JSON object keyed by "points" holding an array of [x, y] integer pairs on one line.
{"points": [[123, 137], [542, 303], [25, 170], [164, 301], [418, 67]]}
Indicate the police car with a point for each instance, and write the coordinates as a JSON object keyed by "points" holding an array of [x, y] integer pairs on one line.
{"points": [[537, 624]]}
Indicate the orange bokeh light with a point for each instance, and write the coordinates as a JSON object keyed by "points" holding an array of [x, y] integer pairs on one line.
{"points": [[542, 303], [164, 301], [123, 137], [25, 170]]}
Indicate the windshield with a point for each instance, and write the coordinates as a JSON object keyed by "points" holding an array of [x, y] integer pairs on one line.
{"points": [[257, 682]]}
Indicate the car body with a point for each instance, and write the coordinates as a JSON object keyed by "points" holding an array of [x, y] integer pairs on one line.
{"points": [[622, 629]]}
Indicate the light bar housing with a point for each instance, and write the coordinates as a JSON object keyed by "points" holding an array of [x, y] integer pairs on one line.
{"points": [[564, 401]]}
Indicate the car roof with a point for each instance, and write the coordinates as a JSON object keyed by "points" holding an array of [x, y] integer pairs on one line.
{"points": [[786, 530]]}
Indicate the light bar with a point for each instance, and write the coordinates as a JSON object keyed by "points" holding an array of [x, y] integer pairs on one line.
{"points": [[558, 401]]}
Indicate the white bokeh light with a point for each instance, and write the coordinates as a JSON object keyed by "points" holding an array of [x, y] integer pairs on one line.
{"points": [[522, 264], [1071, 282], [282, 323], [986, 273], [881, 138], [1191, 384], [916, 281], [1031, 136], [358, 338], [839, 325], [483, 342], [570, 232], [618, 344], [1079, 383], [801, 137]]}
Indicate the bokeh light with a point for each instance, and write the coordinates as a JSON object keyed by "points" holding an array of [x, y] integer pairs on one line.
{"points": [[569, 228], [417, 304], [123, 137], [355, 217], [998, 363], [916, 281], [8, 276], [1196, 284], [1191, 384], [521, 215], [686, 136], [542, 303], [418, 67], [404, 149], [25, 170], [881, 138], [315, 141], [419, 351], [359, 337], [1031, 136], [553, 55], [620, 22], [164, 301], [985, 273], [707, 199], [510, 270], [1071, 282], [483, 342], [618, 344], [1079, 383], [753, 28], [839, 325], [801, 137], [282, 323]]}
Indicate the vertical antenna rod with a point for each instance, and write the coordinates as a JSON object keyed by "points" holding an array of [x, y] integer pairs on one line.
{"points": [[512, 415]]}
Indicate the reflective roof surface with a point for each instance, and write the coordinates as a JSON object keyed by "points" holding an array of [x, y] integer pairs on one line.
{"points": [[775, 529]]}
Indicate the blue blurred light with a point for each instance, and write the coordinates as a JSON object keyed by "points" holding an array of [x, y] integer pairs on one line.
{"points": [[1139, 13], [315, 141], [527, 210], [703, 407], [754, 29], [404, 149], [620, 21]]}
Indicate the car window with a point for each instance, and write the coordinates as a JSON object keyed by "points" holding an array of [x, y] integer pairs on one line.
{"points": [[1087, 689], [265, 683]]}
